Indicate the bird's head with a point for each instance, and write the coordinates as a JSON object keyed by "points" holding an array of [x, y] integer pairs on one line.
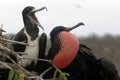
{"points": [[29, 13], [59, 29]]}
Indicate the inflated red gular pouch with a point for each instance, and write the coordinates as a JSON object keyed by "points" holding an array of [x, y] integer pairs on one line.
{"points": [[69, 45]]}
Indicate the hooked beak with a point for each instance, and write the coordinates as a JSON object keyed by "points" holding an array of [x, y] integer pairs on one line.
{"points": [[36, 10], [79, 24], [34, 19]]}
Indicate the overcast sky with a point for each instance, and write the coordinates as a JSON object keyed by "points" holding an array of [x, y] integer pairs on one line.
{"points": [[99, 16]]}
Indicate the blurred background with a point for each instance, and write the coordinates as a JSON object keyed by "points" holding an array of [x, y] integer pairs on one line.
{"points": [[101, 17]]}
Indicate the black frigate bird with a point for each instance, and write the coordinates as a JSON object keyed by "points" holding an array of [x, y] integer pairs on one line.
{"points": [[77, 59], [32, 35]]}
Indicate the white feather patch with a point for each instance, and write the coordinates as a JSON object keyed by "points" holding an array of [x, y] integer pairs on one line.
{"points": [[32, 52]]}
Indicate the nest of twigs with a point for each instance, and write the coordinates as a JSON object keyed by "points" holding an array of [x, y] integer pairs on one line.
{"points": [[17, 72]]}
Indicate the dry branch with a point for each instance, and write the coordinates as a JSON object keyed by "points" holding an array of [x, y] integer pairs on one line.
{"points": [[5, 52], [13, 42], [11, 52], [15, 65], [5, 65]]}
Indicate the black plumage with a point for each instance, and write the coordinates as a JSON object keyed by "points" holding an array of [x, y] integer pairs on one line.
{"points": [[85, 65]]}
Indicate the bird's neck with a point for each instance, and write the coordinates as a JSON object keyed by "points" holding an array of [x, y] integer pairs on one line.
{"points": [[32, 31], [31, 28]]}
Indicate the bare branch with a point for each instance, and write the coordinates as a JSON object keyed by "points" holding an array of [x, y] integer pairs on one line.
{"points": [[36, 59], [41, 75], [9, 51], [4, 65], [14, 42], [17, 65]]}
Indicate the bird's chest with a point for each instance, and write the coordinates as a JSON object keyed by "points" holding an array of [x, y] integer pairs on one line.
{"points": [[69, 46], [33, 49], [32, 52]]}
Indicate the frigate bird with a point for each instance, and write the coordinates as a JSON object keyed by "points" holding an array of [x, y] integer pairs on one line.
{"points": [[30, 34], [77, 59]]}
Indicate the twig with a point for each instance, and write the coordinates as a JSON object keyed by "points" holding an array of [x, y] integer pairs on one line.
{"points": [[5, 64], [9, 51], [59, 70], [36, 59], [1, 31], [14, 42], [41, 75], [17, 65]]}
